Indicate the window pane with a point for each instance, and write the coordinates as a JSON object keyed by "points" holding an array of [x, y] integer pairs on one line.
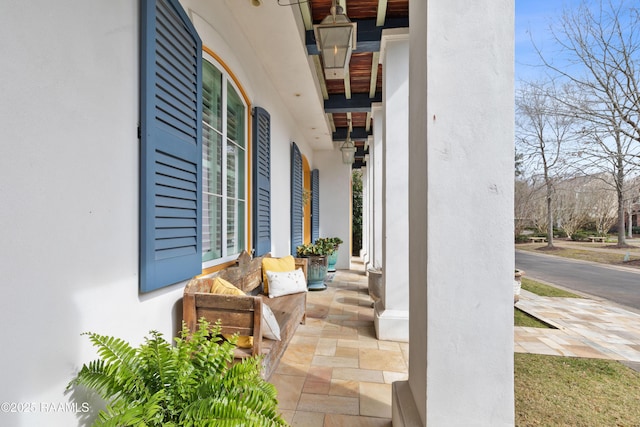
{"points": [[211, 161], [211, 96], [211, 227], [235, 226], [212, 218], [235, 117], [212, 214], [235, 171]]}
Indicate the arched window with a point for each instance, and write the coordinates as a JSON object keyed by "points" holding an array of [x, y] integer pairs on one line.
{"points": [[224, 162]]}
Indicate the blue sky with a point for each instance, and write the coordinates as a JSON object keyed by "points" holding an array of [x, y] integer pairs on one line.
{"points": [[533, 18]]}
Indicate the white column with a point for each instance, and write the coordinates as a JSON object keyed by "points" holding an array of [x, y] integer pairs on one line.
{"points": [[391, 315], [365, 215], [369, 205], [376, 218], [461, 169]]}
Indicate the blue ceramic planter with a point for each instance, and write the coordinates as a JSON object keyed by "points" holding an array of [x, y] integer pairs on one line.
{"points": [[316, 273], [332, 259]]}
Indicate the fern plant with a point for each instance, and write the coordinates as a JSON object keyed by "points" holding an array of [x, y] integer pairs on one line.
{"points": [[191, 384]]}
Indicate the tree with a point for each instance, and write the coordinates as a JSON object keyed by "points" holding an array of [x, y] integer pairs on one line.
{"points": [[601, 45], [572, 205], [524, 205], [601, 200], [356, 191], [543, 129], [519, 172]]}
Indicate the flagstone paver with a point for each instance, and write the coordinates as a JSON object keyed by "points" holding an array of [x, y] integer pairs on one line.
{"points": [[586, 328], [336, 373]]}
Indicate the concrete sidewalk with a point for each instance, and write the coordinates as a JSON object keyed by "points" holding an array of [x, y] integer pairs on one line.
{"points": [[585, 328]]}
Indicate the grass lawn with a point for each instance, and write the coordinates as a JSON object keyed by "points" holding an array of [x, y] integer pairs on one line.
{"points": [[593, 253], [566, 391], [520, 318], [545, 290]]}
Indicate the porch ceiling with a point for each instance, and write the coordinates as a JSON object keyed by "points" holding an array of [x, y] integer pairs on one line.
{"points": [[349, 100], [293, 63]]}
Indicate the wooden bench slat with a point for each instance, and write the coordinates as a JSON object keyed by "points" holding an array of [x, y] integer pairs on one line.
{"points": [[232, 302], [228, 319]]}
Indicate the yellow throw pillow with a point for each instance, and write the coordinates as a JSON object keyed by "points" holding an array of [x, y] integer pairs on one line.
{"points": [[223, 287], [287, 263]]}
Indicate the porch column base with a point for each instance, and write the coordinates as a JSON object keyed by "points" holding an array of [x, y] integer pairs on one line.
{"points": [[391, 325], [403, 407]]}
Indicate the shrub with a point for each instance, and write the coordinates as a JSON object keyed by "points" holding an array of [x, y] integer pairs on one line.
{"points": [[579, 236], [558, 232], [522, 238], [193, 383]]}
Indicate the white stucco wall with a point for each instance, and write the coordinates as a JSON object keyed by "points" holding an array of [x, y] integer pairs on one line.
{"points": [[335, 197], [69, 188]]}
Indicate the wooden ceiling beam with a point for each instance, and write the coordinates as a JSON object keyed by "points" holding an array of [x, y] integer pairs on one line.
{"points": [[357, 133], [382, 12], [373, 81], [307, 17], [368, 38], [358, 103]]}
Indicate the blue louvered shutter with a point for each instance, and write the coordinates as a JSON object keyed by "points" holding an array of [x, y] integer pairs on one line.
{"points": [[261, 181], [315, 204], [297, 215], [171, 150]]}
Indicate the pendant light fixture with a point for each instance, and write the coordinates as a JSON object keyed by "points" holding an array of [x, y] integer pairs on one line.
{"points": [[336, 38]]}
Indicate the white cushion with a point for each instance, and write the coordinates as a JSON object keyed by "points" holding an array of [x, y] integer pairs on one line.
{"points": [[271, 328], [286, 282]]}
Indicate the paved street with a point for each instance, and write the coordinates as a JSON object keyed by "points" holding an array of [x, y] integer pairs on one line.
{"points": [[620, 285]]}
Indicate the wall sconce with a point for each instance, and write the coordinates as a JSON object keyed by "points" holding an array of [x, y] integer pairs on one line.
{"points": [[348, 149], [336, 38]]}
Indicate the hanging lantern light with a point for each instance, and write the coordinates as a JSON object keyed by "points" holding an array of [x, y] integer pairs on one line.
{"points": [[336, 38], [348, 149]]}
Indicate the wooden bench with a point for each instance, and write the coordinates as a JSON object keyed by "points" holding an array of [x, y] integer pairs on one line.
{"points": [[537, 239], [601, 239], [242, 314]]}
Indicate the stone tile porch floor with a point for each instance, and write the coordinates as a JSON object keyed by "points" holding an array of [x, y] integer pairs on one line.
{"points": [[336, 373]]}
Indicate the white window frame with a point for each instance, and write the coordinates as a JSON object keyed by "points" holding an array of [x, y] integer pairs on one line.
{"points": [[227, 79]]}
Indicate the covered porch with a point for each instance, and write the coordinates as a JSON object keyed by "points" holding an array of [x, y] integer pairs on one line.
{"points": [[336, 372], [432, 122]]}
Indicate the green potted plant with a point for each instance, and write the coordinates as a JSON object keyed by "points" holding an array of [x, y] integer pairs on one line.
{"points": [[334, 242], [193, 383], [317, 254]]}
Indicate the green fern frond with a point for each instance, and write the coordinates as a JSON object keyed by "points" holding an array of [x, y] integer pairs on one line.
{"points": [[113, 350], [158, 366], [225, 412], [193, 383], [93, 376], [121, 362], [119, 415]]}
